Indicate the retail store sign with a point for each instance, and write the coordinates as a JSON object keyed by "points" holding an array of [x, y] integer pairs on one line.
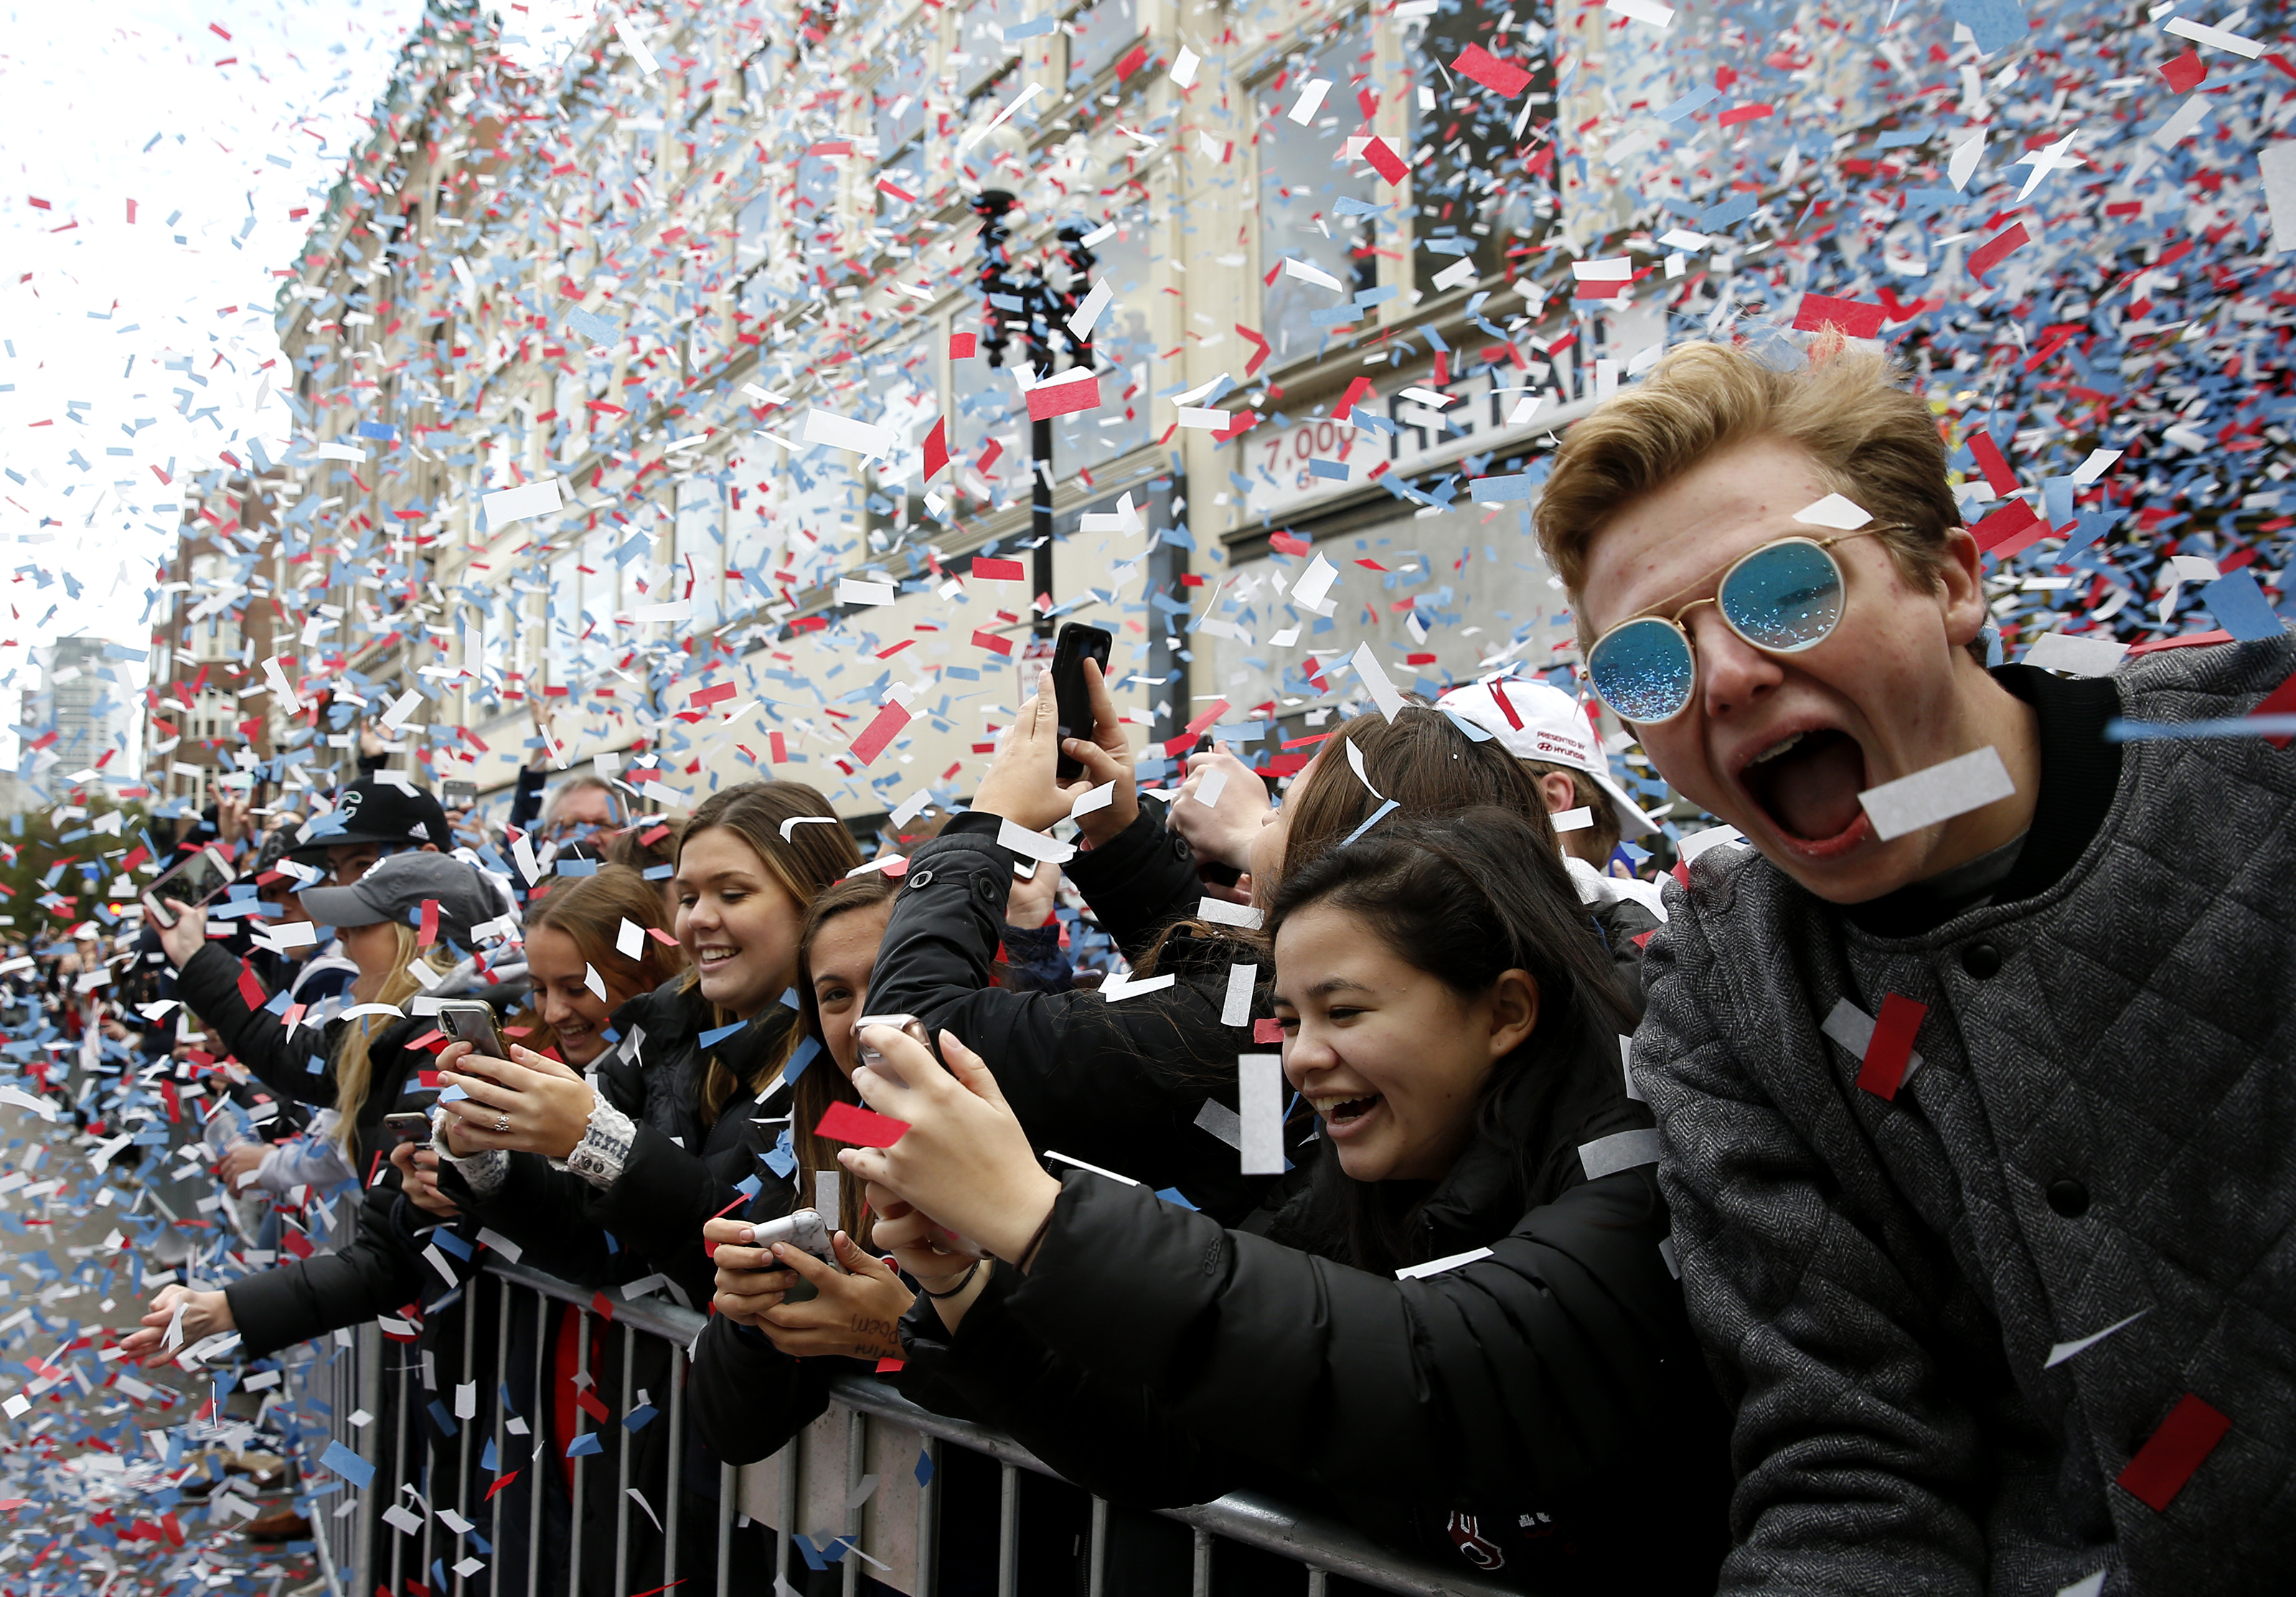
{"points": [[1316, 460]]}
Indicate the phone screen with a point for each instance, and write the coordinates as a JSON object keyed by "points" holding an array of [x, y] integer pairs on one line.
{"points": [[196, 881], [1071, 697], [458, 795]]}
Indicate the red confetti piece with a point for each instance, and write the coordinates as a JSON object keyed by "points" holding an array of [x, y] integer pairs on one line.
{"points": [[2004, 532], [2185, 72], [2280, 701], [986, 569], [879, 732], [1855, 317], [716, 694], [964, 346], [1063, 397], [992, 643], [1891, 1046], [865, 1127], [1994, 250], [2168, 1457], [936, 447], [1268, 1029], [1384, 160], [1283, 543], [426, 935], [1991, 461], [1743, 114], [1502, 78]]}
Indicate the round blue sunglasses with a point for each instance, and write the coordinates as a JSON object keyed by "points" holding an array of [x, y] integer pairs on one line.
{"points": [[1782, 598]]}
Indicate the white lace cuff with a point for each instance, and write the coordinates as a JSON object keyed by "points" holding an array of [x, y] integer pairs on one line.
{"points": [[597, 1158], [483, 1172]]}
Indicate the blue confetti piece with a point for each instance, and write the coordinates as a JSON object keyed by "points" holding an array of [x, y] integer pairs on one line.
{"points": [[1174, 1195], [440, 1417], [711, 1038], [783, 1159], [348, 1464], [636, 1419], [1034, 28], [1689, 103], [489, 1460], [593, 326], [382, 431], [1335, 468], [1503, 489], [2239, 607], [452, 1095], [923, 1472], [1995, 25], [584, 1446], [2121, 731], [451, 1242], [1715, 217], [749, 1186], [808, 1049]]}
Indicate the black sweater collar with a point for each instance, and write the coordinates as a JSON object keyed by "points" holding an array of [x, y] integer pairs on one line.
{"points": [[2079, 772]]}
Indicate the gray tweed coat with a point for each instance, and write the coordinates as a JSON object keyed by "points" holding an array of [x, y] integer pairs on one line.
{"points": [[2103, 1125]]}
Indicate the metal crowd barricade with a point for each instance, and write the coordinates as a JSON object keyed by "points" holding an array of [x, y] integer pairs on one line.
{"points": [[869, 1430]]}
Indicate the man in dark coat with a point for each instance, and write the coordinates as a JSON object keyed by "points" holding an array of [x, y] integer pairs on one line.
{"points": [[1973, 1073]]}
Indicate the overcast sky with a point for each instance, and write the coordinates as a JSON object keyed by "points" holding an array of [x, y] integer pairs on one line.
{"points": [[216, 144]]}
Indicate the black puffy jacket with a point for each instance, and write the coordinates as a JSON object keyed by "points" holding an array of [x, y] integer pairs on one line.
{"points": [[282, 1057], [680, 1169], [1118, 1083], [1541, 1413]]}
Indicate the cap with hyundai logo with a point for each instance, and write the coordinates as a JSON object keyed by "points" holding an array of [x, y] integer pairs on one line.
{"points": [[377, 809], [395, 889], [1547, 724]]}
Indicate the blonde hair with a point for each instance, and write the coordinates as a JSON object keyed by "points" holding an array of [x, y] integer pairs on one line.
{"points": [[353, 1067], [1869, 439]]}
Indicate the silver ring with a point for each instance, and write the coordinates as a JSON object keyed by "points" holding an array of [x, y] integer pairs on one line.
{"points": [[502, 1124]]}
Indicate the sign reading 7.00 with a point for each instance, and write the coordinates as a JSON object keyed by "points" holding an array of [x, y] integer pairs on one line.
{"points": [[1409, 429]]}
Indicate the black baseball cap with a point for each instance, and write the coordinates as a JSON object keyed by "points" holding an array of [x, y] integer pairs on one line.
{"points": [[375, 811]]}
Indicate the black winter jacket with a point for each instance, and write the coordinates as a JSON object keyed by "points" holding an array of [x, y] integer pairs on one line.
{"points": [[280, 1057], [1116, 1083], [678, 1172], [1541, 1414]]}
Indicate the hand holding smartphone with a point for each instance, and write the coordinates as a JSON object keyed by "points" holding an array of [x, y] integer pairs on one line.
{"points": [[193, 881], [1071, 693]]}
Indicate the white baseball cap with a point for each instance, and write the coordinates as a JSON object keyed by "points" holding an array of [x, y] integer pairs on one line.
{"points": [[1547, 724]]}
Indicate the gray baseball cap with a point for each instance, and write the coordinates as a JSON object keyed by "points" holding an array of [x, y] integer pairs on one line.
{"points": [[395, 887]]}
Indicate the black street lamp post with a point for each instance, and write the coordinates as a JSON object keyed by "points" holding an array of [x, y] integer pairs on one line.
{"points": [[1023, 301]]}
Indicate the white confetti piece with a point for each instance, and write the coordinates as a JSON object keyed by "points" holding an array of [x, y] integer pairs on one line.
{"points": [[1835, 511], [1953, 787], [1259, 1107]]}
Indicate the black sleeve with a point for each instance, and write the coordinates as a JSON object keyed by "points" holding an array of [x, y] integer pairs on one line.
{"points": [[747, 1397], [1114, 1439], [1524, 1376], [664, 1196], [279, 1058], [535, 1207], [526, 799], [379, 1270], [1139, 881], [1118, 1085]]}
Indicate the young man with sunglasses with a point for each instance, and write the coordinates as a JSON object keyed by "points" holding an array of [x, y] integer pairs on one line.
{"points": [[1979, 1127]]}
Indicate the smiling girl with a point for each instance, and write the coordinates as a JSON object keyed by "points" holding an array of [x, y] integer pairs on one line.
{"points": [[652, 1144], [1518, 1403]]}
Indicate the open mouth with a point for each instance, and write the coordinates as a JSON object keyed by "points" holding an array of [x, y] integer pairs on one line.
{"points": [[1808, 782], [709, 959], [1347, 1112]]}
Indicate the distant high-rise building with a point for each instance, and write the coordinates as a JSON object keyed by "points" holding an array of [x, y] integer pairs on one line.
{"points": [[80, 717]]}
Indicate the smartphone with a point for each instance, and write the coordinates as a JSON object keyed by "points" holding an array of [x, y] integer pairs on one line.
{"points": [[1077, 644], [412, 1127], [195, 881], [454, 794], [908, 1024], [471, 1020], [806, 1229]]}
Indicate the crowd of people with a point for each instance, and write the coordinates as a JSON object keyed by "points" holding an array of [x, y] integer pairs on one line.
{"points": [[1868, 1205]]}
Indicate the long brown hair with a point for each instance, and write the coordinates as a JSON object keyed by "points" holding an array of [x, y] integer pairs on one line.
{"points": [[824, 1084], [591, 910], [812, 858], [1421, 759]]}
